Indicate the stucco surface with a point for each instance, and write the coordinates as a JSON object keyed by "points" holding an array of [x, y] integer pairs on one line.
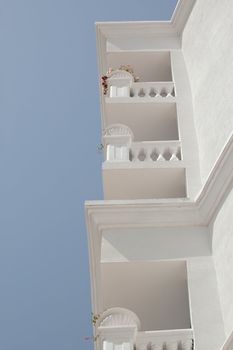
{"points": [[208, 53], [223, 257], [205, 306]]}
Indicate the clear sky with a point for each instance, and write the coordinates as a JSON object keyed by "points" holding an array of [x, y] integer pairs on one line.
{"points": [[49, 164]]}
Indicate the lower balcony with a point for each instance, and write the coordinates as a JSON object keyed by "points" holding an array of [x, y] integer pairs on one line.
{"points": [[143, 170], [120, 329]]}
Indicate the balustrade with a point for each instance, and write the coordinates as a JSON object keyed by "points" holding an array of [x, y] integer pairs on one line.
{"points": [[155, 151], [165, 340], [144, 90], [152, 90]]}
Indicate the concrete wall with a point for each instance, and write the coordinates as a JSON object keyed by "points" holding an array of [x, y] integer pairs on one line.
{"points": [[155, 290], [208, 53], [204, 304], [223, 257]]}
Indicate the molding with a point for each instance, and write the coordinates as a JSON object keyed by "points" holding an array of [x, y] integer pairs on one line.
{"points": [[102, 215], [119, 317], [181, 14], [149, 28], [170, 212]]}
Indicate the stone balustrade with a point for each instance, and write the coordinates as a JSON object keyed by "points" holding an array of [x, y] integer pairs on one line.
{"points": [[151, 90], [165, 340], [164, 151], [157, 152]]}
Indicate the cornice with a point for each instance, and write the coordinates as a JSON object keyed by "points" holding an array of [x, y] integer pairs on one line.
{"points": [[149, 28]]}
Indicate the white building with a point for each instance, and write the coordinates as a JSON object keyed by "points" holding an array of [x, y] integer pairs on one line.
{"points": [[161, 241]]}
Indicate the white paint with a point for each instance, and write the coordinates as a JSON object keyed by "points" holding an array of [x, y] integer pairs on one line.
{"points": [[187, 133], [208, 52], [157, 67], [116, 91], [130, 244], [223, 257], [205, 305], [156, 291], [143, 180], [158, 340], [170, 228]]}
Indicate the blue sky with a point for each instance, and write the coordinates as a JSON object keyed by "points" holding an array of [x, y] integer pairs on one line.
{"points": [[49, 164]]}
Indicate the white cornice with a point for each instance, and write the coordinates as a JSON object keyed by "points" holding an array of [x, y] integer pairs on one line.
{"points": [[149, 28]]}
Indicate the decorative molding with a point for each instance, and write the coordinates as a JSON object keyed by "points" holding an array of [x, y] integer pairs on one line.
{"points": [[119, 317], [118, 130], [149, 28], [103, 215], [177, 338]]}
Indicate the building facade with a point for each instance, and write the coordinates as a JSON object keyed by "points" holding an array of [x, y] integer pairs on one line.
{"points": [[161, 241]]}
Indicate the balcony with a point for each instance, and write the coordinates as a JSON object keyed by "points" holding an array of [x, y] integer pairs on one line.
{"points": [[120, 329], [137, 170], [121, 86]]}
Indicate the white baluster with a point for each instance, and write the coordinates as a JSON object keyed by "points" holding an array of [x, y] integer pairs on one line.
{"points": [[113, 91], [125, 153], [147, 91], [110, 154], [136, 92], [148, 152], [135, 152], [123, 91], [107, 345], [158, 93], [126, 346], [172, 346]]}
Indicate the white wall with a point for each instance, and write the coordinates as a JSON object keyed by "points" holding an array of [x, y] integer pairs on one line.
{"points": [[156, 291], [205, 306], [154, 243], [208, 52], [223, 257]]}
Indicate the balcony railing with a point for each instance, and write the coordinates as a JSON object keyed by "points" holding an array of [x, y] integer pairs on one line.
{"points": [[166, 151], [138, 152], [181, 339], [151, 90]]}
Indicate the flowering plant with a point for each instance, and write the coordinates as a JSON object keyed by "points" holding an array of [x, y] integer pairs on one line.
{"points": [[94, 320]]}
